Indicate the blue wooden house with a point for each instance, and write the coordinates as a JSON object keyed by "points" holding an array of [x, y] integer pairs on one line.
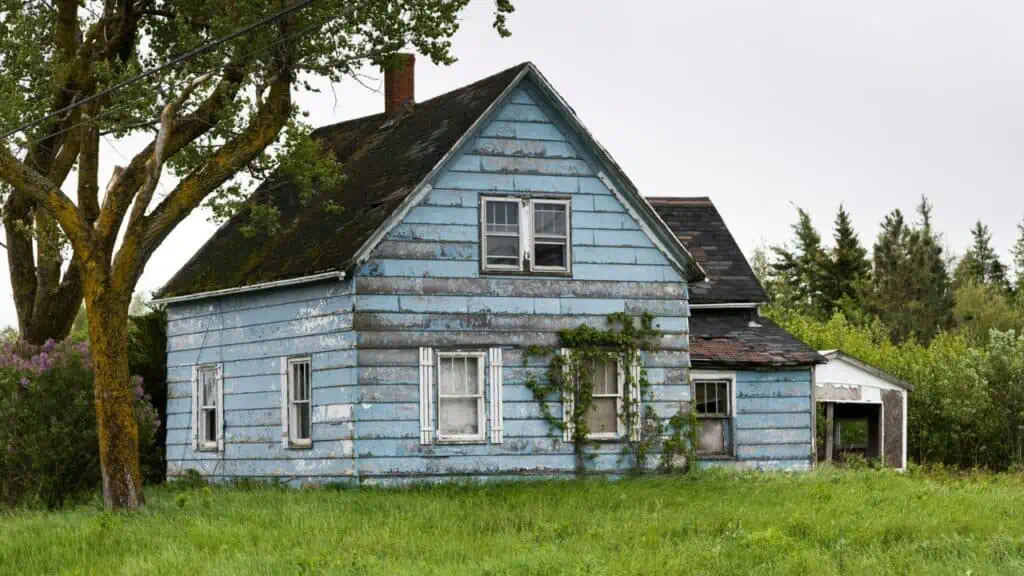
{"points": [[386, 341]]}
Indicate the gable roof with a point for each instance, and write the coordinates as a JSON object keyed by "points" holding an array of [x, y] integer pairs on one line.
{"points": [[387, 163], [741, 338], [831, 355], [702, 230]]}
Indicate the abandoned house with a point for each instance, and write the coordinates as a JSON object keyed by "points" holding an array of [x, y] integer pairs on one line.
{"points": [[865, 411], [387, 341]]}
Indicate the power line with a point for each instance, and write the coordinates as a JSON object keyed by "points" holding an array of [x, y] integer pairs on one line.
{"points": [[173, 62], [111, 111]]}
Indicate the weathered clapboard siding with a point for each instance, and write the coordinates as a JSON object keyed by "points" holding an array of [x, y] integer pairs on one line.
{"points": [[422, 286], [773, 419], [247, 334]]}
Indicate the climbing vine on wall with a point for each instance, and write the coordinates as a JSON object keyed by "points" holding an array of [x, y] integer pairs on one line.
{"points": [[570, 380]]}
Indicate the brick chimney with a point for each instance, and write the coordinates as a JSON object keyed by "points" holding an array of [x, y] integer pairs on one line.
{"points": [[399, 83]]}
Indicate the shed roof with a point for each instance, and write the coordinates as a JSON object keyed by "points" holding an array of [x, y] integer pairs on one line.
{"points": [[831, 355], [702, 230], [741, 338]]}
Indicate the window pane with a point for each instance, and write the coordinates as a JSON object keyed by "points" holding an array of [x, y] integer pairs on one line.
{"points": [[706, 400], [551, 255], [711, 436], [304, 418], [459, 376], [502, 217], [603, 416], [458, 416], [503, 250], [605, 377], [209, 378], [723, 397], [300, 381], [549, 219], [209, 425]]}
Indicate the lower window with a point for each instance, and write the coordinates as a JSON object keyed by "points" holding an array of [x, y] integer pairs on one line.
{"points": [[460, 397], [208, 396], [713, 405], [300, 410], [603, 417]]}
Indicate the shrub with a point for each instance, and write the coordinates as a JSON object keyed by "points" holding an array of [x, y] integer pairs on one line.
{"points": [[48, 444]]}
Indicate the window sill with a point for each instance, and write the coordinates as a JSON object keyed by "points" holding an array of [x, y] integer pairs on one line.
{"points": [[606, 437], [207, 448], [456, 441], [714, 456], [526, 274], [300, 445]]}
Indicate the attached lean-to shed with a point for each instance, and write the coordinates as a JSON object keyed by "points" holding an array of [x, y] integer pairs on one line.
{"points": [[849, 390]]}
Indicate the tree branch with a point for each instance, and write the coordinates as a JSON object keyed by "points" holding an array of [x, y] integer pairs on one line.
{"points": [[206, 116], [155, 164], [47, 195], [264, 128]]}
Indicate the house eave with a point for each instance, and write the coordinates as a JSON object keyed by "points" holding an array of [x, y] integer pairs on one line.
{"points": [[339, 274]]}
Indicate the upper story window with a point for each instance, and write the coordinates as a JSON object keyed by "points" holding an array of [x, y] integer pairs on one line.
{"points": [[208, 395], [525, 235]]}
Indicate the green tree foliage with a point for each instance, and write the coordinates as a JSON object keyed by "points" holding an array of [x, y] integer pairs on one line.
{"points": [[1018, 261], [968, 398], [981, 308], [980, 264], [218, 123], [147, 359], [847, 269], [798, 271], [910, 285]]}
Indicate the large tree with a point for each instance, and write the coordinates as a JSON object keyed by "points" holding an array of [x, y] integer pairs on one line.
{"points": [[1018, 261], [847, 267], [798, 270], [981, 264], [209, 119], [910, 288]]}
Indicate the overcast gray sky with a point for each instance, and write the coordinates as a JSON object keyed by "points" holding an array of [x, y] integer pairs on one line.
{"points": [[762, 106]]}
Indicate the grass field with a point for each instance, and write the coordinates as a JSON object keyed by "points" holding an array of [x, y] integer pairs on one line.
{"points": [[827, 522]]}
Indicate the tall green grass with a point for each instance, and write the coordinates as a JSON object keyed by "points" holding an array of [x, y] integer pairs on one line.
{"points": [[827, 522]]}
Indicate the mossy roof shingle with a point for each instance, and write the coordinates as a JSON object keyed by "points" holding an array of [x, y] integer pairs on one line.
{"points": [[383, 158]]}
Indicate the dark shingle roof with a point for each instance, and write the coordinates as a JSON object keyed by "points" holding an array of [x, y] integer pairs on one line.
{"points": [[384, 159], [741, 338], [701, 229]]}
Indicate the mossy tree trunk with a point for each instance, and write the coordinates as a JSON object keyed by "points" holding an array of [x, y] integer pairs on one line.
{"points": [[116, 427]]}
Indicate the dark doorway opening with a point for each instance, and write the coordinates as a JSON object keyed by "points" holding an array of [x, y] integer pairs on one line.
{"points": [[846, 429]]}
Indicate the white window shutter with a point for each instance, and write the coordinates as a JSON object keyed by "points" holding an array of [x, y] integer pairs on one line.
{"points": [[568, 400], [635, 399], [426, 394], [284, 402], [497, 381], [220, 407], [195, 407]]}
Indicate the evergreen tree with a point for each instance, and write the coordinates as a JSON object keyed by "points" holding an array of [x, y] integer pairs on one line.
{"points": [[799, 272], [847, 266], [1018, 260], [910, 289], [980, 264]]}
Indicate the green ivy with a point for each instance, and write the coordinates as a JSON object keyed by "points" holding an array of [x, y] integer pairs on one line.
{"points": [[570, 375]]}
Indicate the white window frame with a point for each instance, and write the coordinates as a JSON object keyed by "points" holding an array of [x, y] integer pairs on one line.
{"points": [[620, 428], [481, 435], [484, 200], [715, 376], [293, 427], [533, 236], [204, 406]]}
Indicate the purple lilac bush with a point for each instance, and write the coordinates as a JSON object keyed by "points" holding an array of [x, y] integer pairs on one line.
{"points": [[48, 445]]}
